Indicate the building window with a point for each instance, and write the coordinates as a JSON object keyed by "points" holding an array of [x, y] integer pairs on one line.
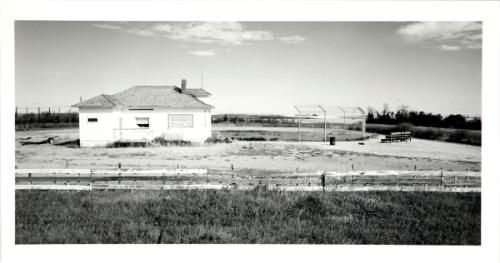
{"points": [[180, 120], [142, 122], [92, 120]]}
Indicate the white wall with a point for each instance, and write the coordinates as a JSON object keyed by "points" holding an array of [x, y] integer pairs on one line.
{"points": [[96, 133], [109, 128]]}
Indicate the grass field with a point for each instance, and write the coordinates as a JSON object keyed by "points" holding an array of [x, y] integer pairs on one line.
{"points": [[258, 216]]}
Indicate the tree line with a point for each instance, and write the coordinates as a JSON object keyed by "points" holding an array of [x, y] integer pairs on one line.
{"points": [[419, 118]]}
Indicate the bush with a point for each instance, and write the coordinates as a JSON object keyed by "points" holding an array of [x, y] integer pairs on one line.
{"points": [[162, 141], [122, 144]]}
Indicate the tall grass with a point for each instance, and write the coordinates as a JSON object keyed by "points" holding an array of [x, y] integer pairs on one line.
{"points": [[258, 216]]}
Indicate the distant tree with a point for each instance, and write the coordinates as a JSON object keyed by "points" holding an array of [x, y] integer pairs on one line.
{"points": [[457, 121], [370, 116], [403, 114]]}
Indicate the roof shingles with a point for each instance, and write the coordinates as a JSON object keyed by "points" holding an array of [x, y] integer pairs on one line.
{"points": [[147, 96]]}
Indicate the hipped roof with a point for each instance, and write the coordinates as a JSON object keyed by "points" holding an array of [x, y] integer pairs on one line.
{"points": [[148, 96]]}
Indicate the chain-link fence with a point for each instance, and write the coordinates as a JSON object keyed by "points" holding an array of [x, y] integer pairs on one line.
{"points": [[44, 117]]}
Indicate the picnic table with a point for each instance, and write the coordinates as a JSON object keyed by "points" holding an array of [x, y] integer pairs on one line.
{"points": [[402, 136]]}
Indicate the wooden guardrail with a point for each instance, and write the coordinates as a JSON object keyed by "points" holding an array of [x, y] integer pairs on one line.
{"points": [[93, 175], [215, 179]]}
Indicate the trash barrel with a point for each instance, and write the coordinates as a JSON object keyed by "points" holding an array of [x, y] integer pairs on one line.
{"points": [[332, 140]]}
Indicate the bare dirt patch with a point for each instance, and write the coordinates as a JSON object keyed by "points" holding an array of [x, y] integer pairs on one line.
{"points": [[272, 156]]}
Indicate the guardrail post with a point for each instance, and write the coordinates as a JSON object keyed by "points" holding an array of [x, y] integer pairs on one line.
{"points": [[442, 179], [323, 180]]}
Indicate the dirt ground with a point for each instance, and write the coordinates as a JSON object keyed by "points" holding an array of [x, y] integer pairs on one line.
{"points": [[272, 156]]}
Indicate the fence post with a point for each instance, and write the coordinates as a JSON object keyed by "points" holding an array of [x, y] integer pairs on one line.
{"points": [[442, 177], [38, 116], [323, 180]]}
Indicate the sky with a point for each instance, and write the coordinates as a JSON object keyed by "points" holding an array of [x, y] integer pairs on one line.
{"points": [[256, 67]]}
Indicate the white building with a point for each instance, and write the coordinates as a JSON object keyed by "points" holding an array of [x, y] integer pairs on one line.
{"points": [[142, 113]]}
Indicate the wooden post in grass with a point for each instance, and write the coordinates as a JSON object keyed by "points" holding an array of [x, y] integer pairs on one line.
{"points": [[29, 176], [415, 167], [323, 180], [442, 177], [119, 165], [352, 167]]}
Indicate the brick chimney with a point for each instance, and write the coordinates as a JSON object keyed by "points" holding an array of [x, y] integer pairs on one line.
{"points": [[183, 85]]}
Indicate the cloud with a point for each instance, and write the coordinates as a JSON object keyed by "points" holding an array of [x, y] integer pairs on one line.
{"points": [[224, 33], [221, 33], [107, 26], [449, 48], [445, 35], [292, 39], [202, 53]]}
